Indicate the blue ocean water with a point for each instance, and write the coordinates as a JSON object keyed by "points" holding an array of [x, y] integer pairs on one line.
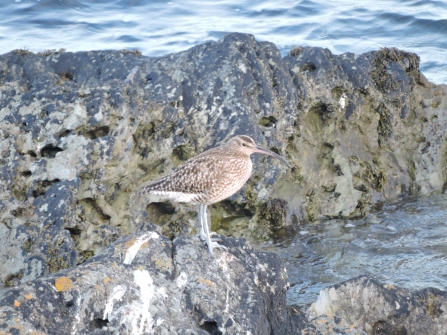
{"points": [[159, 27]]}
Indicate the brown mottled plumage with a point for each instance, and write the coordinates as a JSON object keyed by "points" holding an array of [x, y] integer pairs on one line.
{"points": [[210, 177]]}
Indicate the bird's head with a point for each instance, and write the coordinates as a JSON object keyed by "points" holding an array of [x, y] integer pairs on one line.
{"points": [[246, 145]]}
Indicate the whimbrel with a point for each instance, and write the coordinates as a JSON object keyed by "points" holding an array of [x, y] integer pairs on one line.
{"points": [[210, 177]]}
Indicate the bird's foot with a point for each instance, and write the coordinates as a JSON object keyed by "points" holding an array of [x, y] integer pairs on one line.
{"points": [[212, 243], [203, 235]]}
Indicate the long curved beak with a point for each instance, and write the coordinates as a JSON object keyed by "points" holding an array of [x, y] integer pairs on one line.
{"points": [[264, 151]]}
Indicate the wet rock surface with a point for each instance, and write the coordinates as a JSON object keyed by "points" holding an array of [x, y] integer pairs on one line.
{"points": [[81, 132]]}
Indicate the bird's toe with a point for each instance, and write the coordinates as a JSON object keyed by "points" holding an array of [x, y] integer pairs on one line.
{"points": [[212, 244], [215, 245]]}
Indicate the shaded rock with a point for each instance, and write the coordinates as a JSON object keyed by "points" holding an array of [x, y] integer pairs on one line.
{"points": [[359, 128], [376, 308], [144, 283]]}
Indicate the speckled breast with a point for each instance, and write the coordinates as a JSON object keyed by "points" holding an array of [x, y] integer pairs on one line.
{"points": [[232, 175]]}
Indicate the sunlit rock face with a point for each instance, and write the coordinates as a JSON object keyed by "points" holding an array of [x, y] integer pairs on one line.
{"points": [[144, 283], [80, 133]]}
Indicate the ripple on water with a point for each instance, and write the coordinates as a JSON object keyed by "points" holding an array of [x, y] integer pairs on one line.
{"points": [[404, 242], [157, 28]]}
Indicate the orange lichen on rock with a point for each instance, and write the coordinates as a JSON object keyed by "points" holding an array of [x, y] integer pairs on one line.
{"points": [[16, 303], [129, 243], [28, 296], [63, 284], [205, 281]]}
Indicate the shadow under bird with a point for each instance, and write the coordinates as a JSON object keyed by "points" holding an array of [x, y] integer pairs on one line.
{"points": [[210, 177]]}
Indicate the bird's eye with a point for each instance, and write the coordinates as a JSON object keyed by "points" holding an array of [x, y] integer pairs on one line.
{"points": [[244, 145]]}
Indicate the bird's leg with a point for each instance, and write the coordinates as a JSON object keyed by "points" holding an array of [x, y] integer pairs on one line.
{"points": [[212, 243], [206, 220], [203, 214], [201, 232]]}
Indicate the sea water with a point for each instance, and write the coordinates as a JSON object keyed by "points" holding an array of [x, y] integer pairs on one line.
{"points": [[402, 242], [160, 27]]}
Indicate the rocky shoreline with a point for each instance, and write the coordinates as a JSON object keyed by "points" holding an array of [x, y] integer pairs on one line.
{"points": [[81, 132]]}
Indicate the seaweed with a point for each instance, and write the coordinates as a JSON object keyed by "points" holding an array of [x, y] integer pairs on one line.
{"points": [[295, 51], [379, 74], [274, 212]]}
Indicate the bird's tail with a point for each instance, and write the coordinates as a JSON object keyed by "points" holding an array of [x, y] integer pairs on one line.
{"points": [[160, 185]]}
